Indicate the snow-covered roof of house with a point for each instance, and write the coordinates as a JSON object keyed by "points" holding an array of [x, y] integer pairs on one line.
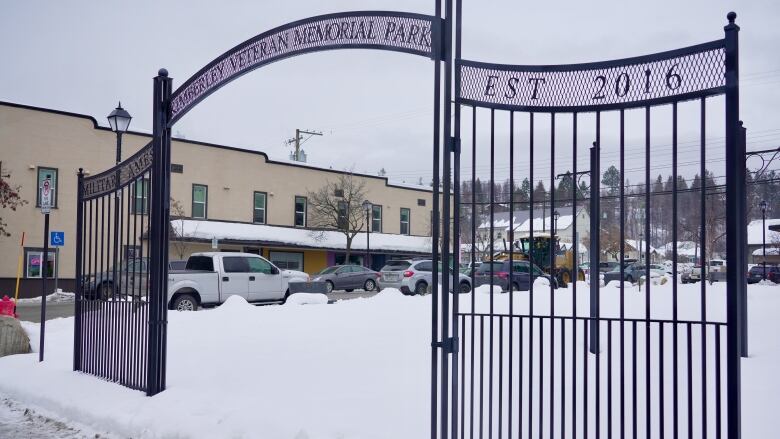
{"points": [[501, 219], [684, 248], [275, 235], [769, 251], [754, 232], [564, 222], [640, 245]]}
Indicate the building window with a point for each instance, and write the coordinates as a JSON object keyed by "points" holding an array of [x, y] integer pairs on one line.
{"points": [[300, 211], [376, 218], [342, 218], [260, 207], [32, 262], [200, 198], [287, 260], [140, 196], [338, 193], [177, 168], [42, 174], [132, 251], [420, 202], [405, 221]]}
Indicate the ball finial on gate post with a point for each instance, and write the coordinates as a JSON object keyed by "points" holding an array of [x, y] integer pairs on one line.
{"points": [[731, 16], [162, 72]]}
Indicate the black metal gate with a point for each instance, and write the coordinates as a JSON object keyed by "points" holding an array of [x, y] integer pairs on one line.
{"points": [[121, 260], [558, 359]]}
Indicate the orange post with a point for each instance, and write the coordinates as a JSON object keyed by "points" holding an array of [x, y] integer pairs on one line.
{"points": [[19, 269]]}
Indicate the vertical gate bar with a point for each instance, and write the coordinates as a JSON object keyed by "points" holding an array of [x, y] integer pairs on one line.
{"points": [[648, 412], [531, 284], [101, 322], [742, 267], [585, 377], [473, 256], [609, 379], [481, 375], [165, 230], [541, 377], [446, 221], [595, 234], [500, 374], [553, 238], [576, 249], [702, 246], [91, 261], [520, 379], [622, 268], [138, 252], [675, 362], [635, 423], [463, 376], [435, 242], [597, 196], [735, 225], [563, 376], [456, 227], [661, 364], [689, 362], [492, 265], [511, 260], [718, 390], [79, 279]]}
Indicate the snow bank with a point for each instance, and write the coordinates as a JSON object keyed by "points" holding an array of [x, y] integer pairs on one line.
{"points": [[485, 289], [359, 369], [307, 299], [57, 296]]}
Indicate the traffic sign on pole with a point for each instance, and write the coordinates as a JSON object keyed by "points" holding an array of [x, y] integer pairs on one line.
{"points": [[57, 239]]}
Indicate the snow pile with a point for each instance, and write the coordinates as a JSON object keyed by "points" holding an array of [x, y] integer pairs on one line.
{"points": [[307, 299], [755, 232], [57, 296], [359, 369]]}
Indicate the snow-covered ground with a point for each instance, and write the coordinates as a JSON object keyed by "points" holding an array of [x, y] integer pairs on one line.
{"points": [[355, 369]]}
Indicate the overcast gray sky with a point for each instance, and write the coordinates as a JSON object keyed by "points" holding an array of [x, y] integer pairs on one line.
{"points": [[374, 107]]}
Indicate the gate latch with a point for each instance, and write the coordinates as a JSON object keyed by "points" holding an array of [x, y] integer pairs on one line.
{"points": [[450, 345]]}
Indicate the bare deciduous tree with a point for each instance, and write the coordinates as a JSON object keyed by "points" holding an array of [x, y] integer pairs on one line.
{"points": [[177, 233], [339, 205], [9, 199]]}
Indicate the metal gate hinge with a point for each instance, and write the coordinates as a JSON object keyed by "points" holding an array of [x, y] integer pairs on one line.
{"points": [[450, 345]]}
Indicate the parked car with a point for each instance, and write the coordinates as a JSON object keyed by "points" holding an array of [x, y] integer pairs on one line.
{"points": [[211, 278], [414, 276], [756, 273], [632, 273], [608, 266], [348, 278], [132, 280], [521, 276]]}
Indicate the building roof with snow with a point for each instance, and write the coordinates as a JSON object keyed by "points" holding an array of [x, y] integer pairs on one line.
{"points": [[755, 235], [633, 244], [261, 234]]}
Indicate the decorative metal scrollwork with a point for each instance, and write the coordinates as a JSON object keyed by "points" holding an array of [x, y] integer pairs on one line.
{"points": [[687, 73]]}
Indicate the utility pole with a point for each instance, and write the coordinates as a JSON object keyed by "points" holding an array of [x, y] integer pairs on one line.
{"points": [[298, 140]]}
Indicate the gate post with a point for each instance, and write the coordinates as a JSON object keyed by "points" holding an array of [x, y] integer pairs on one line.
{"points": [[743, 311], [158, 235], [735, 225], [595, 247], [79, 273]]}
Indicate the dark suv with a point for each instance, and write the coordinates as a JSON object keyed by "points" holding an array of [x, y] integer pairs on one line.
{"points": [[756, 273], [521, 278]]}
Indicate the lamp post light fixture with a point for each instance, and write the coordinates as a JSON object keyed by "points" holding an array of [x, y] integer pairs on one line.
{"points": [[367, 206], [119, 119], [763, 206]]}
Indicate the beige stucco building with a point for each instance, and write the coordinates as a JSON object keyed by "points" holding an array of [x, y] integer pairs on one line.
{"points": [[241, 188]]}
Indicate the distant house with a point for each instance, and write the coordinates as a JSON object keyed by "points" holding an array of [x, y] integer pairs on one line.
{"points": [[687, 251], [542, 222], [635, 249]]}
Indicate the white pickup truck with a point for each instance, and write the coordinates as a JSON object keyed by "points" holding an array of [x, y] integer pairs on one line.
{"points": [[211, 277]]}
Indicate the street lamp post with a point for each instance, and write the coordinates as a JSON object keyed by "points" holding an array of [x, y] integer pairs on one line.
{"points": [[367, 208], [119, 119], [763, 205]]}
